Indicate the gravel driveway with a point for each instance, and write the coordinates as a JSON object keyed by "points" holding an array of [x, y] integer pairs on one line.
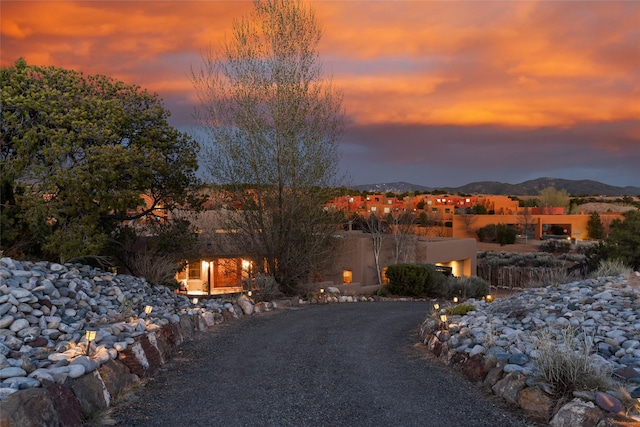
{"points": [[324, 365]]}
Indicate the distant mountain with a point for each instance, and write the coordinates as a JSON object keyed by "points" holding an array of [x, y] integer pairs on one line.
{"points": [[527, 188], [392, 187]]}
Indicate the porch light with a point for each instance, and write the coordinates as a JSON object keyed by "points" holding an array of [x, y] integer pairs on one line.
{"points": [[90, 335], [148, 309]]}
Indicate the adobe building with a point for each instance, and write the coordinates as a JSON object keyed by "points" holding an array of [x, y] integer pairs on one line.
{"points": [[354, 271], [223, 269]]}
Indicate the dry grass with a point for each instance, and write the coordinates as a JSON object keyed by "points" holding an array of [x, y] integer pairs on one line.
{"points": [[564, 362]]}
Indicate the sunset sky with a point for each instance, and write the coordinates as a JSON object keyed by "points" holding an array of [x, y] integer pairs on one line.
{"points": [[436, 93]]}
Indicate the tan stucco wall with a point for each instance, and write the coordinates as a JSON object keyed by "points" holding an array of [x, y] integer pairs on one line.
{"points": [[577, 224], [356, 254]]}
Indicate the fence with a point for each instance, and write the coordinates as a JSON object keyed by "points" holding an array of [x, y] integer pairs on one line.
{"points": [[511, 277]]}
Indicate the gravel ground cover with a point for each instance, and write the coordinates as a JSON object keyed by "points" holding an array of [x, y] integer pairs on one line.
{"points": [[329, 365]]}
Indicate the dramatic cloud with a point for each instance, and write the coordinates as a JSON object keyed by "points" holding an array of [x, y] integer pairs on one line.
{"points": [[436, 93]]}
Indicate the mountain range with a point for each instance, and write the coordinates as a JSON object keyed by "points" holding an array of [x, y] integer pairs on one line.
{"points": [[527, 188]]}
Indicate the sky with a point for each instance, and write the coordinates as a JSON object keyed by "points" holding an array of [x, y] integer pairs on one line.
{"points": [[436, 93]]}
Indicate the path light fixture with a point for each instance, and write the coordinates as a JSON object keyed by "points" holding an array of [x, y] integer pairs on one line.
{"points": [[148, 309], [195, 300], [90, 335], [455, 300], [249, 293], [322, 290], [489, 298], [443, 321], [436, 307]]}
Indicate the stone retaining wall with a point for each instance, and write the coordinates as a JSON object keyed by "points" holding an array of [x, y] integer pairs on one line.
{"points": [[587, 409], [66, 404]]}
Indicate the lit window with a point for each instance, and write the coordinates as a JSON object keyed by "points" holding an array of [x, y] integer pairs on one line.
{"points": [[385, 279], [350, 199], [194, 270], [347, 277], [373, 208], [386, 210]]}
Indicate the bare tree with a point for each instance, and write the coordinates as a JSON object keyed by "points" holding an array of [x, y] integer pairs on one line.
{"points": [[379, 231], [401, 228], [431, 222], [272, 123], [468, 220], [525, 219]]}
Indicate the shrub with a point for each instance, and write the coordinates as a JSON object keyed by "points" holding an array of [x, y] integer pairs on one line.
{"points": [[611, 267], [464, 287], [264, 287], [556, 246], [416, 280], [501, 233], [460, 309], [563, 360]]}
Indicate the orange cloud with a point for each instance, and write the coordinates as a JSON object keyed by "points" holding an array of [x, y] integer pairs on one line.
{"points": [[526, 63]]}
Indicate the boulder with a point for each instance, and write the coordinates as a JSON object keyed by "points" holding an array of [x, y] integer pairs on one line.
{"points": [[116, 377], [67, 405], [476, 368], [90, 391], [509, 386], [577, 413], [32, 407], [536, 402]]}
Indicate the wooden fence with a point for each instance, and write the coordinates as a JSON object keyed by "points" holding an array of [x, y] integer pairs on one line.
{"points": [[511, 277]]}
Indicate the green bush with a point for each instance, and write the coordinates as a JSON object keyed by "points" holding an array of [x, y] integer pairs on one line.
{"points": [[500, 233], [416, 280], [460, 309], [463, 287]]}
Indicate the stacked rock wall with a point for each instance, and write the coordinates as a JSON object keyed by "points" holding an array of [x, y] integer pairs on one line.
{"points": [[495, 346]]}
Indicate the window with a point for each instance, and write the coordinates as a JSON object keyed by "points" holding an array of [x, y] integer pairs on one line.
{"points": [[386, 210], [385, 279], [447, 210], [347, 277], [194, 270], [373, 208]]}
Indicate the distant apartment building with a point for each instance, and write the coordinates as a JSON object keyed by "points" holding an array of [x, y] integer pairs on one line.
{"points": [[452, 215]]}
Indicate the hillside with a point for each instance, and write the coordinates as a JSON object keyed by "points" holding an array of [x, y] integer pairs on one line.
{"points": [[526, 188]]}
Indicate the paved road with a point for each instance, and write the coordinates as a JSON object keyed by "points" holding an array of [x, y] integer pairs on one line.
{"points": [[333, 365]]}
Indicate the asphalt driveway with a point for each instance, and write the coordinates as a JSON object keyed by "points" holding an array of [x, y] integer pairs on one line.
{"points": [[327, 365]]}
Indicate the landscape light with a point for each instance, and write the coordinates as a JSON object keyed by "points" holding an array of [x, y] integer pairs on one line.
{"points": [[455, 299], [249, 293], [489, 298], [195, 300], [443, 321], [436, 306], [148, 309], [90, 335], [322, 290]]}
